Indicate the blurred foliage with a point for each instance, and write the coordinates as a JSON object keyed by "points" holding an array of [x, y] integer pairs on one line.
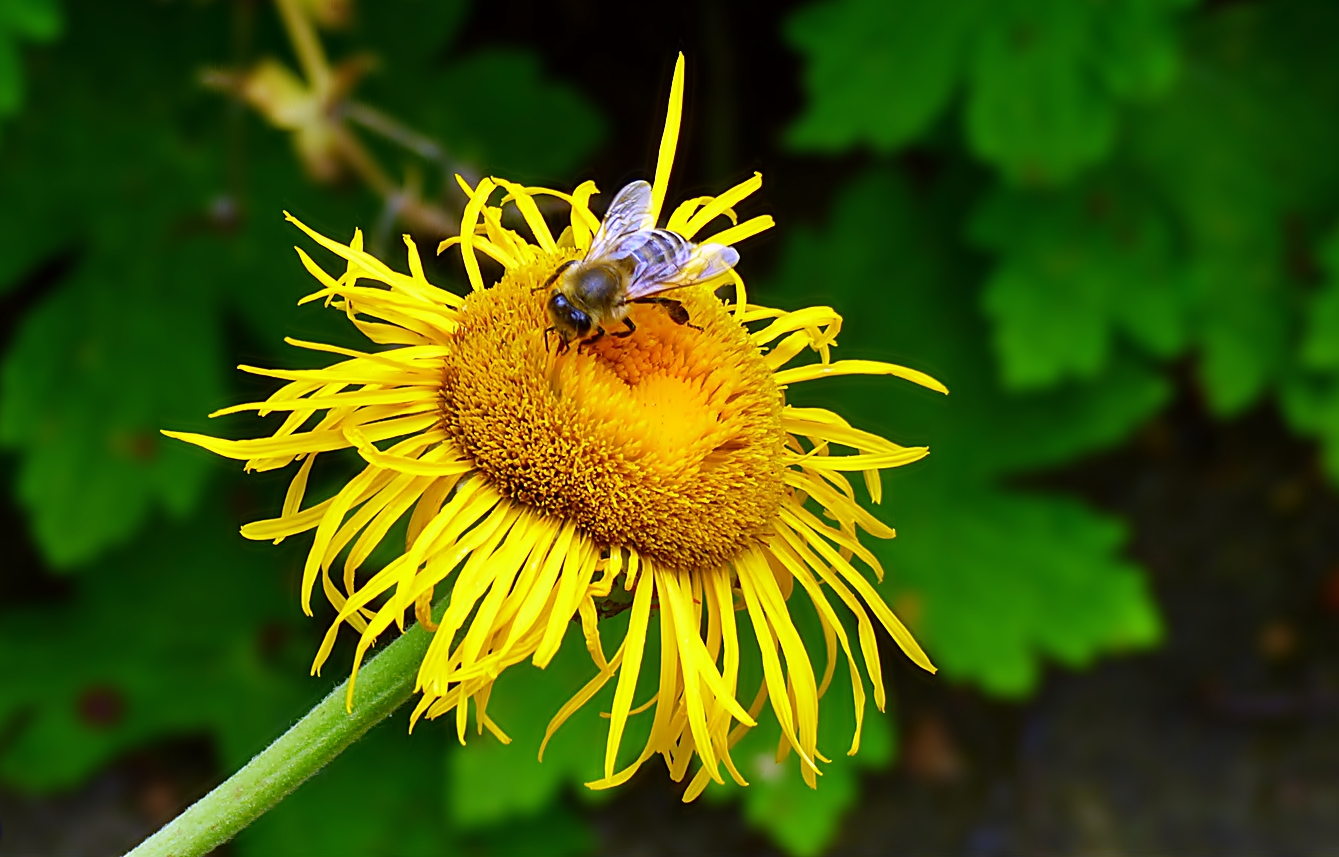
{"points": [[1099, 192], [144, 650], [22, 21], [1043, 78]]}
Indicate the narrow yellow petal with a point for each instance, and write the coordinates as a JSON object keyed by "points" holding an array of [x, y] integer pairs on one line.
{"points": [[441, 461], [753, 576], [669, 141], [738, 233], [468, 220], [584, 223], [425, 288], [525, 203], [684, 211], [856, 367], [674, 602], [801, 687], [722, 204], [297, 488], [865, 462], [875, 602], [832, 624], [634, 645], [809, 319], [741, 295], [578, 568], [842, 506]]}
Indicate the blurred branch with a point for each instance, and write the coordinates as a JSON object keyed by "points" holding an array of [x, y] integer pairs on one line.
{"points": [[306, 44], [320, 115], [392, 129]]}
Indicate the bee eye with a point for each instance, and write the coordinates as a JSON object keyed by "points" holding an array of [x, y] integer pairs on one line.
{"points": [[563, 313]]}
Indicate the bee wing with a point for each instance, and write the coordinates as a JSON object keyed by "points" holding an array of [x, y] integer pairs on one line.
{"points": [[626, 214], [683, 264]]}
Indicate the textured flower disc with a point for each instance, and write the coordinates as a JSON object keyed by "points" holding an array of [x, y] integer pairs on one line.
{"points": [[669, 440]]}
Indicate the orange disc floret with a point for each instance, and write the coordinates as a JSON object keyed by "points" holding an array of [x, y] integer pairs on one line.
{"points": [[669, 441]]}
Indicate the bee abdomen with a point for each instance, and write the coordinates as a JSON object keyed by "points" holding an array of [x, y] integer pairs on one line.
{"points": [[661, 246]]}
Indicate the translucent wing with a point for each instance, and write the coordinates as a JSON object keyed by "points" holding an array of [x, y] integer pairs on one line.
{"points": [[666, 260], [706, 262], [626, 215]]}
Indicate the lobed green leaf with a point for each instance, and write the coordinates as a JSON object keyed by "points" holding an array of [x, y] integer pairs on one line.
{"points": [[1042, 78], [1076, 269]]}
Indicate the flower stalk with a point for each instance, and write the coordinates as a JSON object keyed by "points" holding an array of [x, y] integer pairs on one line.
{"points": [[384, 684]]}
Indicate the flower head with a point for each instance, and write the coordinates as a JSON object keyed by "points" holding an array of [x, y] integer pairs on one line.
{"points": [[660, 473]]}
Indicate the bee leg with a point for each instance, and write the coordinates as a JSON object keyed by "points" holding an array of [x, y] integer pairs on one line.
{"points": [[632, 328], [549, 282], [674, 309], [562, 343], [599, 334]]}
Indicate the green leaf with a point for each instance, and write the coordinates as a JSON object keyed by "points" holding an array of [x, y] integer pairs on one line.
{"points": [[1076, 268], [164, 236], [1311, 405], [877, 72], [1241, 150], [408, 34], [556, 832], [1013, 579], [85, 388], [1033, 108], [181, 633], [1245, 330], [128, 341], [39, 20], [11, 77], [887, 260], [32, 20], [1320, 348], [1043, 77], [1139, 55], [486, 108]]}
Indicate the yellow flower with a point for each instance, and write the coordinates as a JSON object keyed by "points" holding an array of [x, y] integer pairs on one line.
{"points": [[664, 469]]}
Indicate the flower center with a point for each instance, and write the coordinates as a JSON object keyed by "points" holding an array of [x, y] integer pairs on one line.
{"points": [[668, 440]]}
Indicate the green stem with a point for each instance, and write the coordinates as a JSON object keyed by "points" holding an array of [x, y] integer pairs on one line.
{"points": [[384, 684]]}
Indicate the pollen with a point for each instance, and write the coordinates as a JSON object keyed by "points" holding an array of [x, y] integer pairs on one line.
{"points": [[669, 440]]}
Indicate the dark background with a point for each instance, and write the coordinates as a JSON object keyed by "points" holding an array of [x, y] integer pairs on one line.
{"points": [[1109, 227]]}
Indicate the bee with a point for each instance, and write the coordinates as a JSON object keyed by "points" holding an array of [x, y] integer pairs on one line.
{"points": [[627, 264]]}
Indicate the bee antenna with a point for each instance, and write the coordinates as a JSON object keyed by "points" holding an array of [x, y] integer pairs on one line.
{"points": [[549, 282]]}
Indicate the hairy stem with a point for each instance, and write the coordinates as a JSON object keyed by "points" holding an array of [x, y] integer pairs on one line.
{"points": [[384, 684]]}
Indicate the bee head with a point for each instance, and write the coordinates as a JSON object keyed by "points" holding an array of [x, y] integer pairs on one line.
{"points": [[571, 322]]}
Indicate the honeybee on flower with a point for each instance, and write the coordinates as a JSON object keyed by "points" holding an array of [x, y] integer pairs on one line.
{"points": [[628, 263]]}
